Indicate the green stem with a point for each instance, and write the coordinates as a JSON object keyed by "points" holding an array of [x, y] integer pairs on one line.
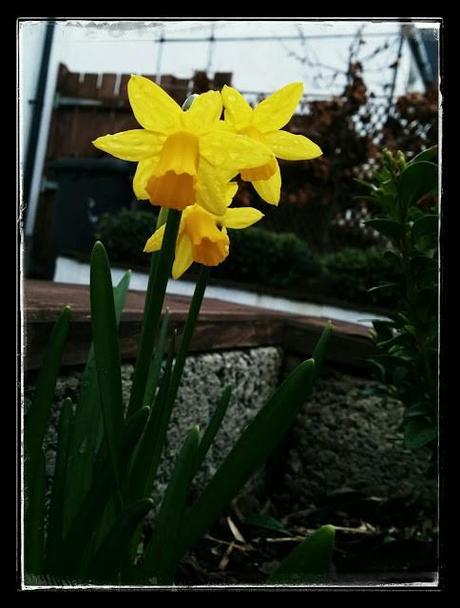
{"points": [[168, 403], [189, 328], [160, 271]]}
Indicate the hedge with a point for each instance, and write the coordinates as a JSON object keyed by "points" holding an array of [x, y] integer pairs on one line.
{"points": [[264, 259]]}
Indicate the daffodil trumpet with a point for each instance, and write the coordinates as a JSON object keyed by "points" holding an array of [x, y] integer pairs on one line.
{"points": [[179, 150]]}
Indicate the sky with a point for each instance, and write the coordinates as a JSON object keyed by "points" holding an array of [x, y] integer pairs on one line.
{"points": [[123, 47]]}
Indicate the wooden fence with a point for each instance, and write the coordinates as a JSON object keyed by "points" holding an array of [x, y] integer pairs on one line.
{"points": [[90, 105]]}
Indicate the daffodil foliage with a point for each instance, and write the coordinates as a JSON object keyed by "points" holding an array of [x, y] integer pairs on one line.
{"points": [[108, 454], [188, 157]]}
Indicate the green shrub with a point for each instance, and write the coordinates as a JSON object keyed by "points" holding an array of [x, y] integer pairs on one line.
{"points": [[349, 273], [266, 259], [405, 202], [269, 259], [125, 234]]}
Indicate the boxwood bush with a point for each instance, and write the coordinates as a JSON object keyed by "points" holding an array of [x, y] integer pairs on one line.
{"points": [[349, 273], [124, 235], [264, 259], [268, 259]]}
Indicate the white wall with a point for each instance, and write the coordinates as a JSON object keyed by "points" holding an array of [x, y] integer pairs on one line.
{"points": [[31, 38]]}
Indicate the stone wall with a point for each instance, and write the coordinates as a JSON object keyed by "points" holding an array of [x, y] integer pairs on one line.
{"points": [[345, 437], [253, 375]]}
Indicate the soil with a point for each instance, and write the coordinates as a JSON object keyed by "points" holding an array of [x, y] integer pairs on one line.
{"points": [[377, 541]]}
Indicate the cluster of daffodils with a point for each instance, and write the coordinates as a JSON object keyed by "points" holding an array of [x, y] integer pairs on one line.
{"points": [[187, 159]]}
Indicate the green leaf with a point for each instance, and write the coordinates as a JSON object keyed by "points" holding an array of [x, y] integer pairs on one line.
{"points": [[319, 351], [249, 453], [384, 287], [36, 421], [417, 180], [310, 562], [389, 228], [214, 425], [34, 537], [160, 271], [88, 517], [393, 258], [107, 562], [367, 185], [59, 499], [107, 358], [86, 429], [430, 155], [425, 226], [419, 432], [148, 454], [187, 334], [161, 555], [267, 522], [157, 359], [135, 426]]}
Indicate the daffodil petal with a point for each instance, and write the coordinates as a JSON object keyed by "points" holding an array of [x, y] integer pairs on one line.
{"points": [[153, 108], [292, 147], [184, 256], [156, 240], [144, 172], [238, 112], [270, 189], [276, 110], [204, 112], [233, 152], [230, 191], [212, 192], [136, 144], [241, 217]]}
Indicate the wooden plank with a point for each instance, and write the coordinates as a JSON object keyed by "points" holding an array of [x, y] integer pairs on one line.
{"points": [[107, 88], [88, 86], [222, 325]]}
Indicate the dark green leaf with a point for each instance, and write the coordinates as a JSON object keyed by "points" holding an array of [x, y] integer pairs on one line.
{"points": [[417, 180], [37, 418], [249, 453], [393, 258], [385, 287], [386, 227], [157, 359], [426, 226], [161, 555], [430, 155], [107, 562], [419, 432], [214, 424], [160, 271], [107, 358], [267, 522], [34, 537], [95, 501], [86, 429], [319, 351], [147, 461], [310, 562], [148, 453], [59, 499]]}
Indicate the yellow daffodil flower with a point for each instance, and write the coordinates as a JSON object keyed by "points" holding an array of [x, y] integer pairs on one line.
{"points": [[202, 236], [179, 151], [263, 124]]}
